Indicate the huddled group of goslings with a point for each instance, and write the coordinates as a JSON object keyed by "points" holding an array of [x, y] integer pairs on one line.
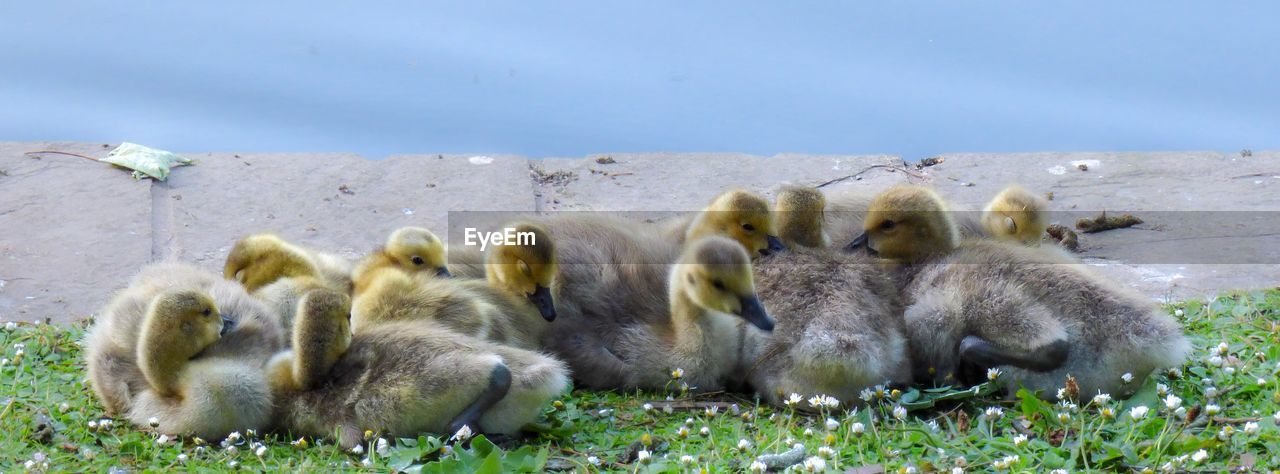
{"points": [[814, 295]]}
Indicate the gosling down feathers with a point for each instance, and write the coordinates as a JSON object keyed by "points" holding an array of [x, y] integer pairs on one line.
{"points": [[1032, 312]]}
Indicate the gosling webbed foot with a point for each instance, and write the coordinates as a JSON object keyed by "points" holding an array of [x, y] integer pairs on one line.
{"points": [[499, 385]]}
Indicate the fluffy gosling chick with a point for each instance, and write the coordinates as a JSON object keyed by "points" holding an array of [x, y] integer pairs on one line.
{"points": [[799, 215], [111, 344], [739, 215], [207, 396], [839, 316], [712, 297], [403, 378], [410, 248], [257, 260], [1034, 313], [1016, 214]]}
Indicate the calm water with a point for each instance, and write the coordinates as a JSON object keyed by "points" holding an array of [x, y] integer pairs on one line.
{"points": [[571, 78]]}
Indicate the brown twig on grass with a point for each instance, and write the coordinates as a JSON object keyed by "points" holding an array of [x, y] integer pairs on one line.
{"points": [[1103, 222]]}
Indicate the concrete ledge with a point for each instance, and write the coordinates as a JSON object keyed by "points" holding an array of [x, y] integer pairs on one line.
{"points": [[75, 231]]}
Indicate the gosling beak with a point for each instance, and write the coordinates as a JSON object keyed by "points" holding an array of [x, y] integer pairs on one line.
{"points": [[541, 297], [754, 313], [858, 242], [443, 272], [775, 245], [227, 325]]}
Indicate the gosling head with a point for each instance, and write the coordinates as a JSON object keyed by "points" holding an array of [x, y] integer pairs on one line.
{"points": [[178, 325], [798, 215], [527, 268], [1016, 214], [908, 224], [417, 249], [247, 251], [321, 334], [741, 216], [715, 274]]}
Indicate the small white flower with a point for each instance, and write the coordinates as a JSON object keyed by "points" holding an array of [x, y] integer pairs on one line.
{"points": [[10, 326], [815, 464], [464, 433], [957, 470], [18, 354], [182, 458], [808, 432], [743, 445], [1101, 399], [232, 450], [1210, 392], [1162, 389], [933, 426], [1223, 348], [1180, 412], [359, 449], [260, 452], [711, 411], [832, 424], [1139, 412], [93, 425], [1062, 394], [251, 433], [1179, 313], [30, 465], [682, 431], [1175, 372], [299, 443], [688, 421], [1228, 370], [1262, 382], [1251, 428], [667, 409], [594, 461], [233, 464], [826, 452], [757, 467], [1005, 462], [1064, 417], [366, 462], [910, 470], [648, 407], [1200, 456], [1058, 471], [858, 428], [686, 460], [643, 456], [993, 413], [899, 412], [678, 373], [1127, 377], [162, 440], [993, 374], [153, 422], [233, 437], [383, 447], [961, 461], [1212, 409], [1215, 360], [866, 394], [1225, 433], [705, 431], [1020, 440], [793, 400], [1172, 402], [38, 457], [833, 402]]}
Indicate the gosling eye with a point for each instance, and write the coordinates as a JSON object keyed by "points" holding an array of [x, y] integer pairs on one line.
{"points": [[417, 260], [748, 227], [886, 225], [207, 312], [718, 284]]}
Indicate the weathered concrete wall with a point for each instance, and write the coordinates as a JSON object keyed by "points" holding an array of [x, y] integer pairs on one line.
{"points": [[72, 232]]}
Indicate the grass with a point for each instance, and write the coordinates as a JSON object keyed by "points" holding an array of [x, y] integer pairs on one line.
{"points": [[49, 417]]}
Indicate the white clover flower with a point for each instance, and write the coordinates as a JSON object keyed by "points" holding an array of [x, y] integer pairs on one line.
{"points": [[743, 445], [899, 412], [462, 434], [93, 425], [688, 421], [64, 406], [359, 449], [1020, 440], [1225, 433], [993, 374], [29, 465], [162, 440], [960, 461], [757, 467], [592, 460], [1126, 378], [1251, 428], [833, 402], [383, 447], [1162, 389], [1175, 372], [808, 432], [182, 458], [858, 428], [793, 400], [815, 464], [1223, 348], [1215, 360], [1005, 462], [260, 452], [686, 460], [705, 431], [1179, 313], [1212, 409], [682, 431], [1101, 399], [1139, 412], [643, 456], [1172, 402], [1229, 370], [38, 457], [1200, 456], [153, 422], [832, 424], [10, 326], [677, 374], [826, 452], [1211, 392], [993, 413], [1262, 382]]}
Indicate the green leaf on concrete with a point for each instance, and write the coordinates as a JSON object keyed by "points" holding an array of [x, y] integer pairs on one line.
{"points": [[145, 161]]}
